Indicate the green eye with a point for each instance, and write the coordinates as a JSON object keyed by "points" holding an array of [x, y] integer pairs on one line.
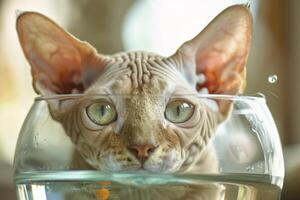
{"points": [[101, 113], [179, 111]]}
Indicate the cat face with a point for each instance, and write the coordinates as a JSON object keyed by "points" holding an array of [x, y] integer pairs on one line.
{"points": [[144, 122], [139, 111]]}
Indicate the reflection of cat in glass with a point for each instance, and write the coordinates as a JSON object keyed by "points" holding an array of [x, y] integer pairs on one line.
{"points": [[148, 123]]}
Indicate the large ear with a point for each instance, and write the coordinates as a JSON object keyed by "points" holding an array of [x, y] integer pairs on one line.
{"points": [[60, 63], [215, 59]]}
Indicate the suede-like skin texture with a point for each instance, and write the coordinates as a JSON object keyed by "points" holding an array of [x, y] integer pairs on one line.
{"points": [[139, 86]]}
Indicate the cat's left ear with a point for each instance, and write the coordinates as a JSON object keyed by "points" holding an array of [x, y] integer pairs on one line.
{"points": [[215, 59], [60, 63]]}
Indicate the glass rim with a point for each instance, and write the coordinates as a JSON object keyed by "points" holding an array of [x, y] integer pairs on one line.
{"points": [[256, 97]]}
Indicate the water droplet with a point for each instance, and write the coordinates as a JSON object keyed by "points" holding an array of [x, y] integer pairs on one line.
{"points": [[270, 151], [272, 78]]}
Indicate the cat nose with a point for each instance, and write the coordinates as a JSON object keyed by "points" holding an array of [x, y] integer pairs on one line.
{"points": [[142, 151]]}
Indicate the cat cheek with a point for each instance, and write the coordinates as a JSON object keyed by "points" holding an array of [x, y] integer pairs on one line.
{"points": [[178, 160], [172, 157], [113, 164], [117, 126], [95, 163]]}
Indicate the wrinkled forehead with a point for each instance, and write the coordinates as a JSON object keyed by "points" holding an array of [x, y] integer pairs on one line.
{"points": [[139, 73]]}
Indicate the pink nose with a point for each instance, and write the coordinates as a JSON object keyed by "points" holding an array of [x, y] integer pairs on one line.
{"points": [[142, 151]]}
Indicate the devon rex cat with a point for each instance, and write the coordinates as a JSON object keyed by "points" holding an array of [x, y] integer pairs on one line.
{"points": [[152, 120]]}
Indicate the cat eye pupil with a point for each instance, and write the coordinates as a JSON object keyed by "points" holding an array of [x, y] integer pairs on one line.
{"points": [[102, 113], [179, 111], [102, 109]]}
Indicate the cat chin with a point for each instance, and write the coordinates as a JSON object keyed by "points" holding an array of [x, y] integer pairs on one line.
{"points": [[139, 169], [163, 169]]}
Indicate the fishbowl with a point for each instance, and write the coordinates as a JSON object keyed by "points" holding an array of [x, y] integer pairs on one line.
{"points": [[193, 151]]}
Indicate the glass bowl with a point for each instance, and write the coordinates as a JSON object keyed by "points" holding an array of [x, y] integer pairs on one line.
{"points": [[245, 156]]}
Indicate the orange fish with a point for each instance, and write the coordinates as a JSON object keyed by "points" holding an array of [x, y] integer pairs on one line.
{"points": [[103, 193]]}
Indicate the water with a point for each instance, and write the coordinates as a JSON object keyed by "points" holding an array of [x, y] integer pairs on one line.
{"points": [[272, 78], [100, 186]]}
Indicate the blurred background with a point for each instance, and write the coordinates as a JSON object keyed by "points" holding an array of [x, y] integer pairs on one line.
{"points": [[159, 26]]}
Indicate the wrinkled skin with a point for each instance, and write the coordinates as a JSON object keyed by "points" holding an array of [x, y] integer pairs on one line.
{"points": [[139, 85], [140, 120]]}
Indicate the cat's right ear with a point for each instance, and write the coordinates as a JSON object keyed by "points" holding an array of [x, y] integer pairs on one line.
{"points": [[60, 63], [214, 61]]}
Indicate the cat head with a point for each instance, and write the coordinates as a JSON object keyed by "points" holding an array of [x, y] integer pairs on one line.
{"points": [[139, 110]]}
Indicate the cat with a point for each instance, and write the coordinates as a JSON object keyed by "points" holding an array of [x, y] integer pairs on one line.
{"points": [[150, 117]]}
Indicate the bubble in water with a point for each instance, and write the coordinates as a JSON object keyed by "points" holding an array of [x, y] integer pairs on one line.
{"points": [[272, 78], [250, 168]]}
